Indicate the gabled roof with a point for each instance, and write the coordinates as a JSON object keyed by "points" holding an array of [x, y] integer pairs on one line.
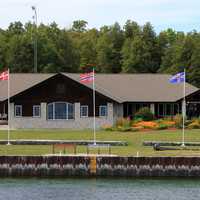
{"points": [[139, 87], [20, 82], [119, 87]]}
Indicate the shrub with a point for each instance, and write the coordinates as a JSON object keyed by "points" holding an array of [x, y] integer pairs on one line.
{"points": [[144, 114], [188, 122], [195, 124], [178, 119], [123, 122]]}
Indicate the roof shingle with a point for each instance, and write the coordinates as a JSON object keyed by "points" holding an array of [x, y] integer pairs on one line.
{"points": [[119, 87]]}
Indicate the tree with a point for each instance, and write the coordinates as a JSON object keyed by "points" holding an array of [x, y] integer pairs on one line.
{"points": [[140, 53], [3, 46], [79, 26], [109, 46], [15, 28], [133, 49], [56, 48], [132, 29], [87, 48], [133, 56], [151, 50]]}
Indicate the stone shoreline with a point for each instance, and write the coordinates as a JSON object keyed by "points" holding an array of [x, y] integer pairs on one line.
{"points": [[98, 166]]}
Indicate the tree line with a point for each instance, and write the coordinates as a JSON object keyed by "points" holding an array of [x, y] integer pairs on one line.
{"points": [[131, 48]]}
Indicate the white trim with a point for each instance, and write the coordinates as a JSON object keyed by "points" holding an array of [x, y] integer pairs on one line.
{"points": [[103, 106], [18, 106], [35, 106], [81, 107]]}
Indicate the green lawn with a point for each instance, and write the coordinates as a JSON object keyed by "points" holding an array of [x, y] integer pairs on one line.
{"points": [[134, 140]]}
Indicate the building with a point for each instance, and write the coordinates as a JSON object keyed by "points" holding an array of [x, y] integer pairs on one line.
{"points": [[61, 101]]}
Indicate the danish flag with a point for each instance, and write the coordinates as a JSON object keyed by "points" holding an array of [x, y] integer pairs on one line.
{"points": [[4, 76]]}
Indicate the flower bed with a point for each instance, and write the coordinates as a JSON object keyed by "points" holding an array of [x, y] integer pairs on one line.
{"points": [[125, 124]]}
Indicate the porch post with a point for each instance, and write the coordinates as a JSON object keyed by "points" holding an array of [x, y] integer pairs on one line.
{"points": [[43, 110], [110, 112], [152, 108], [77, 111], [183, 105]]}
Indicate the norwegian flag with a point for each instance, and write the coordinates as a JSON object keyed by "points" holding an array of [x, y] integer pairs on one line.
{"points": [[4, 76], [87, 77]]}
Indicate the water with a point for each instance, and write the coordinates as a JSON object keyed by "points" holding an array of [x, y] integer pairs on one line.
{"points": [[99, 189]]}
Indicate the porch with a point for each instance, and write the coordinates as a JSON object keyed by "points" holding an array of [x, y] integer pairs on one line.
{"points": [[163, 109]]}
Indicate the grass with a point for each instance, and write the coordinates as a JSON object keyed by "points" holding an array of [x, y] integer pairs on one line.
{"points": [[134, 140]]}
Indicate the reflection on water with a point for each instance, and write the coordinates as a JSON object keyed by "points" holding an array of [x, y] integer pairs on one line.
{"points": [[106, 189]]}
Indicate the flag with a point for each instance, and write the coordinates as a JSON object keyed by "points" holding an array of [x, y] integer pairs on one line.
{"points": [[87, 77], [4, 76], [178, 78]]}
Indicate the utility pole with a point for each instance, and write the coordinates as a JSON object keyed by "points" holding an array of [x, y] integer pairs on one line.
{"points": [[35, 38]]}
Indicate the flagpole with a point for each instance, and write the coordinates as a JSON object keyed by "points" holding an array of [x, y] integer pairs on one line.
{"points": [[8, 107], [94, 107], [184, 110]]}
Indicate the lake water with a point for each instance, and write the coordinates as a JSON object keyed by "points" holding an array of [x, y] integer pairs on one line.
{"points": [[99, 189]]}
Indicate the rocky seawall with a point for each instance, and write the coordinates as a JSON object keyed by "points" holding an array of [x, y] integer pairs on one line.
{"points": [[98, 166]]}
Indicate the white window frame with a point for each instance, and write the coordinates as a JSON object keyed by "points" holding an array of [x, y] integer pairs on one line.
{"points": [[103, 106], [35, 106], [18, 106], [81, 114], [66, 103]]}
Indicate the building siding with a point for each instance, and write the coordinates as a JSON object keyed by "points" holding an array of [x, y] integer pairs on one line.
{"points": [[42, 122]]}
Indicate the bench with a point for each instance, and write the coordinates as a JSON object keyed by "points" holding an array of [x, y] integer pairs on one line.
{"points": [[98, 147], [64, 147]]}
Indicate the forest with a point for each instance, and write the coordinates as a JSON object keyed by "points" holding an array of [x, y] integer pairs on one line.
{"points": [[131, 48]]}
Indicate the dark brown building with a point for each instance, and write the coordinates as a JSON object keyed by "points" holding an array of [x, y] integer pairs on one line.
{"points": [[61, 101]]}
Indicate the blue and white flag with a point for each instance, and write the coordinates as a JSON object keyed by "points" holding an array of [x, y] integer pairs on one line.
{"points": [[178, 78]]}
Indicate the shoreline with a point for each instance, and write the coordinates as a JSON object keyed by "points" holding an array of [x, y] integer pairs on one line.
{"points": [[98, 166]]}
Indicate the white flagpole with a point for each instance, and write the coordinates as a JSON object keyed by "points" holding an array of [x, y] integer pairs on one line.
{"points": [[8, 107], [184, 110], [94, 107]]}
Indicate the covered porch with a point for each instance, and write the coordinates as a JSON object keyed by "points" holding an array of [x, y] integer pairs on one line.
{"points": [[164, 109], [160, 110]]}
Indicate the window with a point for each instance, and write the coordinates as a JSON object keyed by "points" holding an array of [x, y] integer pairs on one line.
{"points": [[50, 111], [168, 109], [70, 111], [103, 111], [84, 111], [18, 110], [60, 110], [36, 111], [161, 110]]}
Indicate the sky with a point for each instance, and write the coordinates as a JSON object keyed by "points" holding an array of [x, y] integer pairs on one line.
{"points": [[181, 15]]}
